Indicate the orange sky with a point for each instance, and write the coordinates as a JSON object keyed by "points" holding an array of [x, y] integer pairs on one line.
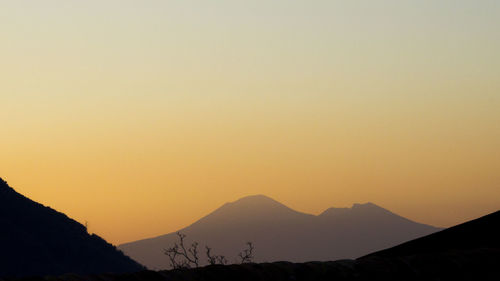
{"points": [[141, 117]]}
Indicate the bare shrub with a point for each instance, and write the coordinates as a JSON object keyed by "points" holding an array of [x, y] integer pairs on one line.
{"points": [[182, 257], [246, 255], [214, 259]]}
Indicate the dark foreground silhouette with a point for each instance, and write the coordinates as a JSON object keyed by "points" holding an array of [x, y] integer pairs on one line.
{"points": [[37, 240], [470, 251]]}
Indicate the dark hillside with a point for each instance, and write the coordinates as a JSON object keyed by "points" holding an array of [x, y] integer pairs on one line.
{"points": [[37, 240], [469, 251], [482, 233]]}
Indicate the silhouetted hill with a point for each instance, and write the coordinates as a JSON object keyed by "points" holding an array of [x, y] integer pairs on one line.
{"points": [[280, 233], [482, 233], [37, 240], [470, 251]]}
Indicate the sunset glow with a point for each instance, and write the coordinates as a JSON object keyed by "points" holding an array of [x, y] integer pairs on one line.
{"points": [[139, 117]]}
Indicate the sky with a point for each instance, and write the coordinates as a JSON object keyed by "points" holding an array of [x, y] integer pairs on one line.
{"points": [[140, 117]]}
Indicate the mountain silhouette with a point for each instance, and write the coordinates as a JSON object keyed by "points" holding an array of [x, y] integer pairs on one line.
{"points": [[280, 233], [37, 240]]}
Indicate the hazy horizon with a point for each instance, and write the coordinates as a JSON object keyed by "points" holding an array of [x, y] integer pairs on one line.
{"points": [[141, 117]]}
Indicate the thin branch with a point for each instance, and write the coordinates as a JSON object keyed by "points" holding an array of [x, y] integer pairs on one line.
{"points": [[246, 255], [212, 260]]}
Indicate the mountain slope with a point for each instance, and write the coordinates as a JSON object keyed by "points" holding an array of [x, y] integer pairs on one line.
{"points": [[466, 252], [37, 240], [481, 233], [280, 233], [469, 251]]}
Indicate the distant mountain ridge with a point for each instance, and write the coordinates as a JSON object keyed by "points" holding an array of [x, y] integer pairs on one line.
{"points": [[37, 240], [281, 233]]}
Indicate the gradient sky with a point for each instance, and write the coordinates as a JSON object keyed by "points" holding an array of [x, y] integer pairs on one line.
{"points": [[142, 116]]}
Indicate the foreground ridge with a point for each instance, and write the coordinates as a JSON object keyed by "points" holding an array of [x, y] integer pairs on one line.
{"points": [[37, 240], [451, 254]]}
